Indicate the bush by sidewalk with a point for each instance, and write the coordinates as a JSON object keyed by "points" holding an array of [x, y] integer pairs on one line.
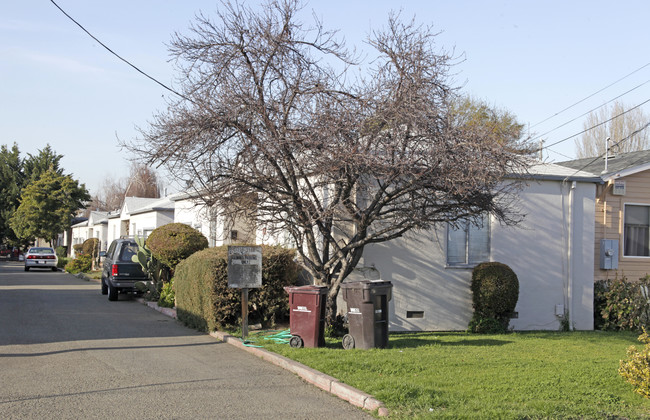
{"points": [[205, 302]]}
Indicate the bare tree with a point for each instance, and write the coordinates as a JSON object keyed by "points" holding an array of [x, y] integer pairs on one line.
{"points": [[274, 125], [623, 125], [141, 182]]}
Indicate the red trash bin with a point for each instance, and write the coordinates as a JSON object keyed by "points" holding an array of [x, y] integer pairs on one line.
{"points": [[307, 315]]}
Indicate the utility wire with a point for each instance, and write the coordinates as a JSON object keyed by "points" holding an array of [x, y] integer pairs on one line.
{"points": [[590, 96], [608, 148], [590, 111], [118, 56], [592, 127]]}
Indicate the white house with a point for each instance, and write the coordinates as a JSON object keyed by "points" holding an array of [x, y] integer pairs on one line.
{"points": [[551, 251], [95, 227], [145, 219], [218, 229], [140, 216]]}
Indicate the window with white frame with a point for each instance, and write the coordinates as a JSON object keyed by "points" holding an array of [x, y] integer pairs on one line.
{"points": [[468, 244], [636, 231]]}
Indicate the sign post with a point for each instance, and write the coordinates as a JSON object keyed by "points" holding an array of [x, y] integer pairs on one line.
{"points": [[244, 272]]}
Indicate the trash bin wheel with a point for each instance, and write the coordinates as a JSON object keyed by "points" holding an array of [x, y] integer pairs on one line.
{"points": [[296, 342], [348, 342]]}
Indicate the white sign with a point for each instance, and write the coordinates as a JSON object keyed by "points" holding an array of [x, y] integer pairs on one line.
{"points": [[619, 187]]}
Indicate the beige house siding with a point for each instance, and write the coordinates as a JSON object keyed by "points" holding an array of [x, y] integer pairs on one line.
{"points": [[609, 225]]}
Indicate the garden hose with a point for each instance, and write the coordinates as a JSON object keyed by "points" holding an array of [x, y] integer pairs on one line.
{"points": [[279, 337]]}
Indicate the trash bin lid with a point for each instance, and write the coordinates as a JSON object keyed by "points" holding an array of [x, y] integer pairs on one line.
{"points": [[366, 284], [309, 289]]}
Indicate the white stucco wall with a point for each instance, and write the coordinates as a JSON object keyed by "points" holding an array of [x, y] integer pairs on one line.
{"points": [[188, 212], [213, 226], [143, 223], [536, 249], [113, 231], [551, 268]]}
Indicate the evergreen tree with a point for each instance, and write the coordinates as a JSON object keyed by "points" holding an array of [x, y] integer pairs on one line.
{"points": [[11, 183], [47, 205]]}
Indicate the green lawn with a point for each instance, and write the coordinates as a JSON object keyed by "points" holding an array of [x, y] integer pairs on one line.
{"points": [[511, 376]]}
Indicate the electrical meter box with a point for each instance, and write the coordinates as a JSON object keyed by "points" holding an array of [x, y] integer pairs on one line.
{"points": [[608, 254]]}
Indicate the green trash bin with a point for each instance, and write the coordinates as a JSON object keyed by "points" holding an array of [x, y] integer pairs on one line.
{"points": [[367, 314]]}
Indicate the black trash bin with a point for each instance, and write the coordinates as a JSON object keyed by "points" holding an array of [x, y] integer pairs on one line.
{"points": [[307, 315], [367, 313]]}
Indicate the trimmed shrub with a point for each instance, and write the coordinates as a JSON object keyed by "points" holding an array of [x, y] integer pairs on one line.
{"points": [[62, 262], [174, 242], [81, 264], [78, 249], [205, 302], [61, 251], [636, 370], [619, 304], [90, 247], [495, 291]]}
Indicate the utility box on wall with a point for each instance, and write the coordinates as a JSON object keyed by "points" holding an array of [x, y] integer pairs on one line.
{"points": [[608, 254]]}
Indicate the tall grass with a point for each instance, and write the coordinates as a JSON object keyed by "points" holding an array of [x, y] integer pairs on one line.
{"points": [[510, 376]]}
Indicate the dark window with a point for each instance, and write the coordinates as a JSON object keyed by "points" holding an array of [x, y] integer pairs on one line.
{"points": [[637, 231], [111, 250], [128, 251]]}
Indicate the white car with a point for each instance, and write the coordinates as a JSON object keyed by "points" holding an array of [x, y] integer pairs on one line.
{"points": [[41, 257]]}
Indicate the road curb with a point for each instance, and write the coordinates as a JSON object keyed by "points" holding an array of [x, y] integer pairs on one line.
{"points": [[170, 312], [325, 382]]}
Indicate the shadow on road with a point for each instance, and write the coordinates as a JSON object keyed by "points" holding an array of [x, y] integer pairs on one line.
{"points": [[47, 307]]}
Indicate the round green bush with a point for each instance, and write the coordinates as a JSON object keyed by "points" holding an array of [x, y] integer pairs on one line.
{"points": [[495, 291], [81, 264], [174, 242]]}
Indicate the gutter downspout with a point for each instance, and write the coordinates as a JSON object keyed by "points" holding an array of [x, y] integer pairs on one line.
{"points": [[570, 251]]}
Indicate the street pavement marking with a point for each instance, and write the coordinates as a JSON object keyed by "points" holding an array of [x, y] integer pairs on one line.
{"points": [[50, 287]]}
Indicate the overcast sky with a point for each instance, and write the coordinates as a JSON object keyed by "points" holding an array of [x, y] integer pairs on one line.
{"points": [[533, 58]]}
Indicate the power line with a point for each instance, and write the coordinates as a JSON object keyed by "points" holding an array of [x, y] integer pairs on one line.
{"points": [[118, 56], [590, 96], [592, 127], [588, 112], [632, 134]]}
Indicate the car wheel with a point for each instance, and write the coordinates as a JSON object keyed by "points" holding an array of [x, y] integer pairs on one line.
{"points": [[26, 268], [112, 293], [104, 287], [54, 269]]}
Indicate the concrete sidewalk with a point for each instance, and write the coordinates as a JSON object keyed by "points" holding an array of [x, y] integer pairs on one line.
{"points": [[312, 376], [325, 382]]}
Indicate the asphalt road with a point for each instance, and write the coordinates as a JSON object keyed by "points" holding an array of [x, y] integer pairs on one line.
{"points": [[66, 352]]}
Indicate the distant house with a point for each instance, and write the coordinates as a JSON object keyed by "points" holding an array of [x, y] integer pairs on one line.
{"points": [[140, 216], [191, 210], [96, 226], [622, 217], [550, 251]]}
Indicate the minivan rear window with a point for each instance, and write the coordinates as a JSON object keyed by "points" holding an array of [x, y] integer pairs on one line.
{"points": [[128, 251]]}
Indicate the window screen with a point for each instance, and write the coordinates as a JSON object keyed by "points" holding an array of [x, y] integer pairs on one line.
{"points": [[469, 243]]}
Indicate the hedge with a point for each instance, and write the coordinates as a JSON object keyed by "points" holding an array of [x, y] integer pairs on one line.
{"points": [[205, 302]]}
